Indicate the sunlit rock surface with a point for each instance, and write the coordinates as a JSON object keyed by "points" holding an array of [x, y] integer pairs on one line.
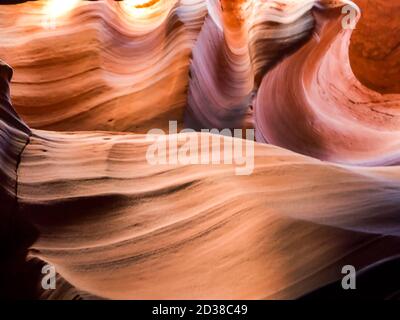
{"points": [[91, 78]]}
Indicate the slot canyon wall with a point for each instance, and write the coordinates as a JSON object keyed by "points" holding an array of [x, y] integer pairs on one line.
{"points": [[80, 89]]}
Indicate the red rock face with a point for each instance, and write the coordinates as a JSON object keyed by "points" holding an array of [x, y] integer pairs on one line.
{"points": [[77, 189], [312, 103], [374, 50]]}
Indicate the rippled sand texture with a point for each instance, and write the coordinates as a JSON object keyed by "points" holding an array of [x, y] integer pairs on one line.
{"points": [[325, 191]]}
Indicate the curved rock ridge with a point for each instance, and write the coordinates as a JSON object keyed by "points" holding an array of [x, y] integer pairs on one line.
{"points": [[313, 104], [324, 191], [127, 69], [15, 235], [119, 228], [119, 67], [14, 136], [107, 68], [238, 42], [116, 227]]}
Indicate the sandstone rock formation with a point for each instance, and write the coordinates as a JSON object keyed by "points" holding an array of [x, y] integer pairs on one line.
{"points": [[77, 190]]}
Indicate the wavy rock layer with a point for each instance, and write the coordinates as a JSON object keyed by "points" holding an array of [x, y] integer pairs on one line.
{"points": [[238, 43], [117, 227], [121, 57], [14, 135], [312, 103], [101, 60], [15, 235], [100, 210]]}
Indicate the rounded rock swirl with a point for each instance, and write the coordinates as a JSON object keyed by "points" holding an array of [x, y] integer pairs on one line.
{"points": [[77, 191]]}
